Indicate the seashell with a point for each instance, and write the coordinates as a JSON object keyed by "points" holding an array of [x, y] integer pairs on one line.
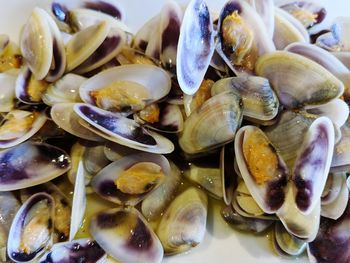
{"points": [[81, 45], [130, 179], [65, 117], [340, 30], [287, 244], [224, 113], [242, 37], [143, 35], [61, 8], [114, 151], [344, 57], [7, 89], [322, 85], [11, 57], [126, 236], [65, 90], [183, 224], [86, 250], [328, 42], [262, 168], [288, 30], [36, 43], [4, 42], [162, 117], [325, 59], [258, 98], [228, 174], [94, 159], [169, 28], [309, 13], [79, 202], [9, 206], [340, 161], [332, 188], [138, 85], [62, 208], [196, 27], [119, 129], [32, 228], [18, 126], [28, 89], [254, 225], [30, 164], [336, 208], [332, 241], [134, 56], [157, 201]]}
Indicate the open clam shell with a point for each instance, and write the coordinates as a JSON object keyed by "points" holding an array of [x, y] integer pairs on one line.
{"points": [[125, 235], [32, 228], [85, 250], [18, 126], [224, 112], [30, 164], [284, 70], [7, 89], [106, 184], [149, 84], [193, 62], [183, 224], [341, 155], [228, 174]]}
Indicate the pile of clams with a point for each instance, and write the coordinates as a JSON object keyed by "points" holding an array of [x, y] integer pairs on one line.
{"points": [[113, 144]]}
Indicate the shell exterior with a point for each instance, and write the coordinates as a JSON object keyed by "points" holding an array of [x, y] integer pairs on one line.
{"points": [[7, 90], [183, 224], [32, 228], [340, 161], [36, 43], [192, 63], [86, 250], [104, 182], [258, 98], [284, 70], [126, 236], [30, 164], [224, 112], [228, 174]]}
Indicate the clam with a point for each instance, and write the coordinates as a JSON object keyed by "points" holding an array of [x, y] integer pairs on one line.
{"points": [[143, 35], [126, 236], [85, 250], [65, 90], [132, 178], [119, 129], [242, 36], [192, 63], [284, 70], [340, 160], [32, 228], [258, 98], [325, 59], [62, 208], [228, 174], [344, 57], [183, 224], [94, 158], [9, 206], [30, 164], [156, 202], [126, 88], [114, 151], [224, 113], [4, 42], [19, 125], [10, 55]]}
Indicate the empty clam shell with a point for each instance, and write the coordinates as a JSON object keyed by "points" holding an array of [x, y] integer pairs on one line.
{"points": [[85, 250], [183, 224], [193, 62], [32, 228], [126, 236], [30, 164], [289, 74]]}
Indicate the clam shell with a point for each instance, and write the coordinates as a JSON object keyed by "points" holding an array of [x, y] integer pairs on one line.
{"points": [[223, 112], [341, 155], [192, 63], [332, 188], [143, 35], [36, 43], [258, 98], [85, 250], [4, 41], [30, 164], [284, 70], [114, 151], [36, 209], [104, 182], [64, 116], [183, 224], [125, 235], [7, 89], [228, 174], [344, 57]]}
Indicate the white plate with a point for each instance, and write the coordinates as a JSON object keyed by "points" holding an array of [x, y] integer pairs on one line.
{"points": [[222, 243]]}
